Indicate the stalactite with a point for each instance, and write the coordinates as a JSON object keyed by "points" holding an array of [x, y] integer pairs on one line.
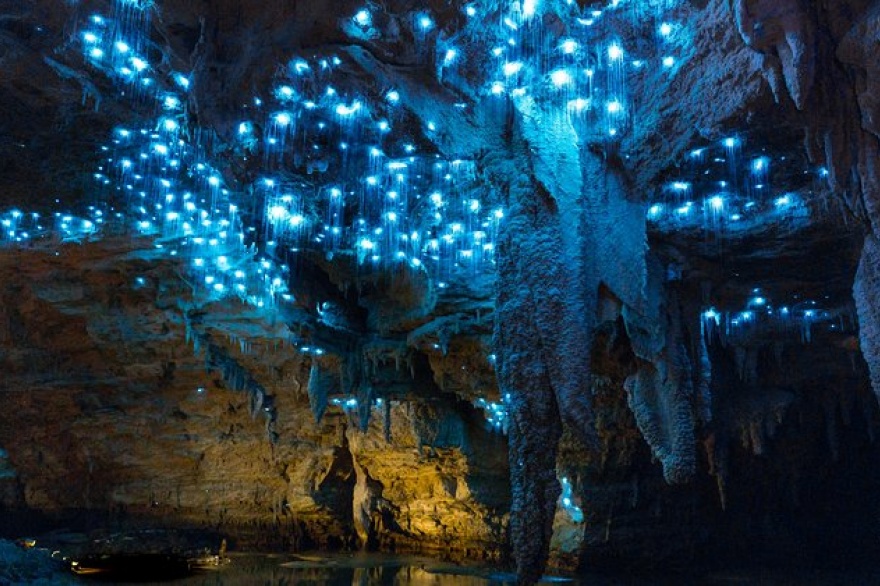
{"points": [[387, 421], [320, 385], [365, 396], [705, 383], [568, 271], [256, 402], [237, 377], [661, 393], [535, 424]]}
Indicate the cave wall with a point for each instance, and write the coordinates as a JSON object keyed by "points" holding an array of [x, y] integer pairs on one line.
{"points": [[113, 417], [94, 360]]}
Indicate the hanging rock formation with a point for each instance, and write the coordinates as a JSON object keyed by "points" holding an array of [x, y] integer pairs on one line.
{"points": [[693, 380]]}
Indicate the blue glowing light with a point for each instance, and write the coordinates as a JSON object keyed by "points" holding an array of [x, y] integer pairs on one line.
{"points": [[284, 92], [566, 499], [783, 201], [615, 52], [512, 68], [560, 78], [363, 18], [301, 66], [578, 105], [569, 46], [346, 111], [170, 102], [425, 22]]}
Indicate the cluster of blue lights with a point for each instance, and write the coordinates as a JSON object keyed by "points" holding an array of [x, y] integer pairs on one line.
{"points": [[350, 404], [584, 72], [384, 201], [179, 199], [168, 188], [760, 314], [20, 228], [375, 193], [722, 188], [496, 413]]}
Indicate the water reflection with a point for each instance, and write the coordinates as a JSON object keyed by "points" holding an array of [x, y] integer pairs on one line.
{"points": [[391, 570], [346, 570]]}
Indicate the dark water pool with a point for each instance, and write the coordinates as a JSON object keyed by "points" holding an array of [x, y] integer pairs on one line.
{"points": [[345, 569], [322, 569]]}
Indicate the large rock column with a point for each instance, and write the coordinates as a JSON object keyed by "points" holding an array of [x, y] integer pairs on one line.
{"points": [[866, 292]]}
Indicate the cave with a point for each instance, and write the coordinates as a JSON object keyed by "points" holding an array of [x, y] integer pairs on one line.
{"points": [[562, 287]]}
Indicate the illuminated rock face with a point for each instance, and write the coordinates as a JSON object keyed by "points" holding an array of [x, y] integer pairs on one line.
{"points": [[105, 390], [362, 217]]}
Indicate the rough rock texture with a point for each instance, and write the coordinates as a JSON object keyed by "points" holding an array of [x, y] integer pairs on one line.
{"points": [[865, 292], [103, 389], [783, 32], [840, 126], [786, 420], [661, 392], [522, 318], [142, 401]]}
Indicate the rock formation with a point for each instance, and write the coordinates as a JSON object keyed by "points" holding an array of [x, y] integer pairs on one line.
{"points": [[566, 281]]}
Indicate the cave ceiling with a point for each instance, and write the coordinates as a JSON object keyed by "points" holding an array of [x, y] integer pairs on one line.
{"points": [[376, 178], [685, 83]]}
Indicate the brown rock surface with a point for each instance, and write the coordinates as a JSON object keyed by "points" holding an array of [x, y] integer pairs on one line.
{"points": [[109, 410]]}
